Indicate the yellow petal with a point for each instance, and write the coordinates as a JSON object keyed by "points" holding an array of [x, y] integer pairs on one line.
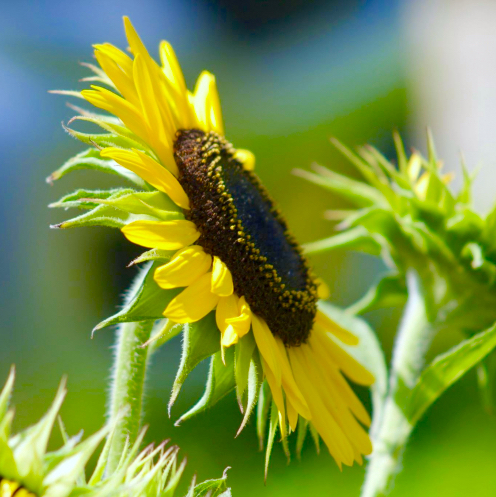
{"points": [[193, 303], [171, 67], [184, 268], [123, 82], [226, 308], [118, 56], [328, 429], [137, 46], [149, 170], [336, 355], [246, 158], [323, 291], [166, 235], [229, 337], [120, 107], [290, 388], [207, 104], [329, 325], [276, 390], [266, 345], [338, 408], [222, 283]]}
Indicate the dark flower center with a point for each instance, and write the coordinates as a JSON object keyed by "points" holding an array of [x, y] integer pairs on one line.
{"points": [[239, 223]]}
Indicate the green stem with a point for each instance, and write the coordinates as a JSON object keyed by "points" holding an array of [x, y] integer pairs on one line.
{"points": [[128, 378], [391, 431]]}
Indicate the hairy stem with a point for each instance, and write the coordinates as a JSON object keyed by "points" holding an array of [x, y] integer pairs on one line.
{"points": [[128, 378], [390, 433]]}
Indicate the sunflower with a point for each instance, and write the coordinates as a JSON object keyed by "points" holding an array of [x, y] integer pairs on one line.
{"points": [[229, 248]]}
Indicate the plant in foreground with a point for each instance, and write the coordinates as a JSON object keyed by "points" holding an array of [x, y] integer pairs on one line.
{"points": [[442, 260], [27, 469], [222, 266]]}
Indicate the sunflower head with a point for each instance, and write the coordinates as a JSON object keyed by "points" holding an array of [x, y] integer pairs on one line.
{"points": [[221, 265]]}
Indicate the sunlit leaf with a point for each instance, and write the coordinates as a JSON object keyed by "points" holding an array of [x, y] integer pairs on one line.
{"points": [[445, 370]]}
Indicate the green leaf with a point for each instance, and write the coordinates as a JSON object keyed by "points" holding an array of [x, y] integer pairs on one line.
{"points": [[200, 340], [148, 303], [368, 352], [91, 159], [358, 239], [220, 382], [445, 370], [389, 291], [212, 488], [255, 381]]}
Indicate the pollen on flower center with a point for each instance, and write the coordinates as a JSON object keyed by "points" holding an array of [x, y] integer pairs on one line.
{"points": [[239, 223]]}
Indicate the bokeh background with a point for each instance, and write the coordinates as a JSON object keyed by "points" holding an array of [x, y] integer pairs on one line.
{"points": [[290, 75]]}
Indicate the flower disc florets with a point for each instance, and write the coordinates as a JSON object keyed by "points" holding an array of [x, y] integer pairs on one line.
{"points": [[239, 223]]}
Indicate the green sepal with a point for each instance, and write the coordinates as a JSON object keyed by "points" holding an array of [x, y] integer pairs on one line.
{"points": [[104, 140], [273, 423], [153, 255], [220, 382], [445, 370], [148, 302], [315, 437], [212, 488], [123, 208], [263, 406], [243, 353], [91, 159], [478, 261], [200, 340], [389, 291], [358, 239], [255, 381], [29, 446], [301, 434], [82, 199], [155, 204], [355, 191], [115, 129], [304, 426]]}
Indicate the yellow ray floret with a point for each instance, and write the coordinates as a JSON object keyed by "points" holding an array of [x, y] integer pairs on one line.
{"points": [[185, 267], [149, 170], [193, 303], [165, 235]]}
